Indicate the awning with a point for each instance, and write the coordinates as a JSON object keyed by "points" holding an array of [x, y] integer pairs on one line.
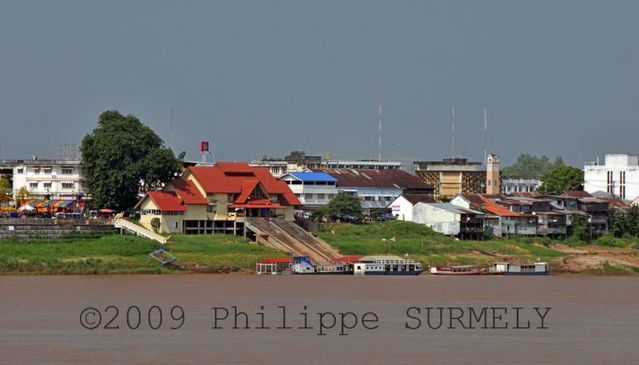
{"points": [[62, 203]]}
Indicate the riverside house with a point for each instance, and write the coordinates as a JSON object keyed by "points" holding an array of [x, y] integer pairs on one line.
{"points": [[217, 198]]}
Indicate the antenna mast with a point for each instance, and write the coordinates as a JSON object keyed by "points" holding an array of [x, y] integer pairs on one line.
{"points": [[379, 135], [171, 129], [452, 142], [485, 134]]}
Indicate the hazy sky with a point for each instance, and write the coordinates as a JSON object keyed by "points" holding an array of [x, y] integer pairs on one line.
{"points": [[265, 77]]}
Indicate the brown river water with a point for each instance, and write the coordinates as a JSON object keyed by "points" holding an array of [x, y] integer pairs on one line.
{"points": [[591, 320]]}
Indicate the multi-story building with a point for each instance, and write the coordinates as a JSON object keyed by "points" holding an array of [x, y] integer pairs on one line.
{"points": [[313, 189], [619, 175], [218, 198], [450, 219], [377, 188], [361, 164], [453, 176], [57, 179], [511, 186]]}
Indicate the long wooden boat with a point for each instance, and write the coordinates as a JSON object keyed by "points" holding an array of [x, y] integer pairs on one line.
{"points": [[455, 270]]}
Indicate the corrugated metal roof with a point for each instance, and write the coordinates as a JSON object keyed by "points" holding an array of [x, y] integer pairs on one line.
{"points": [[314, 176], [394, 179], [419, 198]]}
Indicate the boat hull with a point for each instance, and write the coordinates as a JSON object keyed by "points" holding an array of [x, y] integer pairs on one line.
{"points": [[391, 273], [456, 273]]}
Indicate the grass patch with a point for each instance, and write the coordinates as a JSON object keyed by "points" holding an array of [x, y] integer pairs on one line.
{"points": [[431, 248], [115, 254]]}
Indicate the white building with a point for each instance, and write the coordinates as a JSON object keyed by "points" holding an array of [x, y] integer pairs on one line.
{"points": [[450, 219], [510, 186], [402, 207], [618, 176], [313, 189], [56, 178], [279, 168]]}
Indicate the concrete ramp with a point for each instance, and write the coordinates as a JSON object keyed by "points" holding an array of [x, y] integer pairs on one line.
{"points": [[288, 237], [122, 223]]}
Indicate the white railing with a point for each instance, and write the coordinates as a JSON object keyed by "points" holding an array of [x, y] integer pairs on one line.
{"points": [[139, 231]]}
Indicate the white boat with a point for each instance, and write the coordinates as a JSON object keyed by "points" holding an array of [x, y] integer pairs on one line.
{"points": [[386, 265], [505, 268]]}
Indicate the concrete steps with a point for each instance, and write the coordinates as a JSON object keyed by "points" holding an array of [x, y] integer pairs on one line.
{"points": [[288, 237]]}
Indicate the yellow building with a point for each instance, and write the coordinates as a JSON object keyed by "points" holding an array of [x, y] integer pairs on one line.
{"points": [[453, 176], [216, 198]]}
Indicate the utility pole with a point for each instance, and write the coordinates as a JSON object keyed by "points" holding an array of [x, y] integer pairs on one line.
{"points": [[452, 142], [379, 133], [485, 134]]}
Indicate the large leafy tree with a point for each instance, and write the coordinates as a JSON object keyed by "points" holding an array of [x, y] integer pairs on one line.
{"points": [[5, 189], [123, 157], [562, 178], [530, 167], [344, 204]]}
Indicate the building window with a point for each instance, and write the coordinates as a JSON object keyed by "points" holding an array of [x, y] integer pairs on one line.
{"points": [[36, 170], [67, 171], [308, 196], [47, 170], [33, 185], [20, 171], [321, 196], [47, 185], [331, 196], [67, 185]]}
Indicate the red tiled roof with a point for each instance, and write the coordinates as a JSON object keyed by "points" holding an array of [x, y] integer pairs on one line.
{"points": [[496, 209], [247, 188], [231, 177], [394, 179], [276, 260], [188, 192], [348, 259], [167, 201]]}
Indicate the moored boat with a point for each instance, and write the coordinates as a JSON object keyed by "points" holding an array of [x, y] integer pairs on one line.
{"points": [[386, 265], [455, 270], [505, 268]]}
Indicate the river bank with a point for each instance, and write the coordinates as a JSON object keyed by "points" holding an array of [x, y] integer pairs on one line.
{"points": [[123, 254]]}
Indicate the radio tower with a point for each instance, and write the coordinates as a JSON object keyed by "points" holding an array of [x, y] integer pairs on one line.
{"points": [[485, 134], [171, 129], [379, 135], [452, 141]]}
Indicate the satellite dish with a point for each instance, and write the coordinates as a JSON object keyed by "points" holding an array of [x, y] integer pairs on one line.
{"points": [[181, 155]]}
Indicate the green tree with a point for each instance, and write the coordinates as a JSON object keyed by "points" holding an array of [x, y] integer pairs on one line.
{"points": [[617, 224], [562, 178], [579, 228], [23, 193], [155, 224], [5, 189], [529, 167], [123, 157], [345, 204], [632, 221]]}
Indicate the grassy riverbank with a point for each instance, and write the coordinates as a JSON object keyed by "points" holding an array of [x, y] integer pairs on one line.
{"points": [[606, 255], [117, 254], [225, 253]]}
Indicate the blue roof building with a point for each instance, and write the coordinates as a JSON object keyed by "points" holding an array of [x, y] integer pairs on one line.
{"points": [[313, 189]]}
